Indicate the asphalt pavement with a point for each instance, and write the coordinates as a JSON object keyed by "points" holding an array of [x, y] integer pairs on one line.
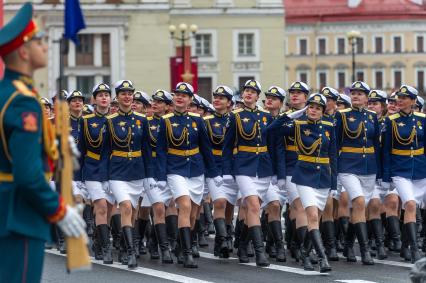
{"points": [[212, 269]]}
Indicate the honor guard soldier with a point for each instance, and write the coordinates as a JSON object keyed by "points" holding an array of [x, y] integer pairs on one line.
{"points": [[357, 134], [27, 152], [315, 172], [276, 196], [183, 157], [159, 198], [327, 220], [246, 157], [113, 107], [228, 191], [142, 103], [392, 105], [377, 103], [130, 161], [94, 167], [47, 107], [420, 102], [343, 102], [298, 95], [404, 161]]}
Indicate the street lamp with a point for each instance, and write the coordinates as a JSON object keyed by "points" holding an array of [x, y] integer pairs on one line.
{"points": [[183, 28], [353, 36]]}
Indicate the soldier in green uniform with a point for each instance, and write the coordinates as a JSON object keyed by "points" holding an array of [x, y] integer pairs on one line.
{"points": [[27, 203]]}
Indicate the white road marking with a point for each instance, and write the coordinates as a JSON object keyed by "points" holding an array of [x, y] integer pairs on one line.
{"points": [[388, 262], [271, 266], [145, 271], [354, 281]]}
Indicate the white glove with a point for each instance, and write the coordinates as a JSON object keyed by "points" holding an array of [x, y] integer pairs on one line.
{"points": [[281, 184], [150, 183], [274, 180], [385, 186], [72, 224], [218, 181], [227, 178], [161, 185], [297, 114]]}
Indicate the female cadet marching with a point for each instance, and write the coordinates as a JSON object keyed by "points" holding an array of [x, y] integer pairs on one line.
{"points": [[183, 156], [357, 134], [227, 193], [157, 197], [94, 166], [316, 167], [404, 160], [246, 157], [130, 162]]}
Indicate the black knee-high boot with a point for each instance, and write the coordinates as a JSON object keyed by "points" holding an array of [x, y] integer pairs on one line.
{"points": [[116, 230], [185, 242], [361, 233], [153, 245], [238, 227], [329, 240], [220, 246], [277, 235], [103, 232], [243, 243], [394, 232], [131, 253], [143, 224], [348, 251], [161, 235], [376, 226], [255, 233], [172, 230], [411, 231], [294, 243], [319, 248], [305, 246], [89, 218]]}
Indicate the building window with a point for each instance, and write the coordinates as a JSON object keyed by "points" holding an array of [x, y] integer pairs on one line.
{"points": [[360, 45], [84, 51], [303, 46], [397, 44], [421, 80], [106, 52], [378, 79], [397, 78], [341, 45], [303, 77], [203, 45], [322, 46], [378, 45], [242, 80], [205, 85], [322, 79], [360, 75], [420, 43], [85, 84], [341, 79], [246, 44]]}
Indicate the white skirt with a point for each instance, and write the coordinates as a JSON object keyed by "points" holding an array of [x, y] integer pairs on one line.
{"points": [[292, 192], [409, 190], [253, 186], [228, 190], [275, 194], [99, 190], [79, 189], [183, 186], [358, 185], [127, 190], [313, 197], [156, 195]]}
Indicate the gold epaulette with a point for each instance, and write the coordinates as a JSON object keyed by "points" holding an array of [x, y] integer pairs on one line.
{"points": [[112, 116], [193, 114], [150, 118], [345, 110], [394, 116], [288, 112], [89, 116], [371, 111], [168, 115], [208, 117], [139, 114], [300, 122], [327, 123], [419, 114], [23, 89], [237, 110]]}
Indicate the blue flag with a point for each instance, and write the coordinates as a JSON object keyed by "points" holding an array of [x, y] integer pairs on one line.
{"points": [[74, 20]]}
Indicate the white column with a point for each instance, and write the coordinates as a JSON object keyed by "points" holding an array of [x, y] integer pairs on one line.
{"points": [[72, 83], [71, 55], [97, 50]]}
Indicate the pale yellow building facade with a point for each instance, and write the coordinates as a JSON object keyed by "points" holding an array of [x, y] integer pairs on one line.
{"points": [[236, 40]]}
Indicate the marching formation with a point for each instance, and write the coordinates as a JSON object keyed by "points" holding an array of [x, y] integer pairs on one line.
{"points": [[161, 172]]}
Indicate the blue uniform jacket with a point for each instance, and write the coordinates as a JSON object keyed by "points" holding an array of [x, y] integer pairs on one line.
{"points": [[75, 133], [153, 123], [216, 128], [183, 147], [357, 135], [94, 159], [129, 149], [26, 199], [403, 146], [246, 149]]}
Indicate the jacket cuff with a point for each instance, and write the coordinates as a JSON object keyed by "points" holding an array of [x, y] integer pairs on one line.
{"points": [[59, 214]]}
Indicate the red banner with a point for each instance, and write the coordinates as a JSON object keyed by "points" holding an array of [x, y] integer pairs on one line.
{"points": [[184, 71]]}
